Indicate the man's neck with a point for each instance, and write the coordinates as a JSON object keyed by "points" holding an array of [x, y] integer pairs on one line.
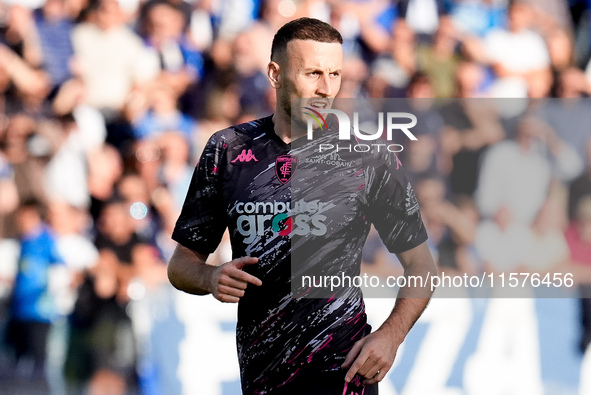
{"points": [[283, 127]]}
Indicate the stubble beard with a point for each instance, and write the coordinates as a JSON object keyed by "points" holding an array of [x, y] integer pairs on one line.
{"points": [[296, 120]]}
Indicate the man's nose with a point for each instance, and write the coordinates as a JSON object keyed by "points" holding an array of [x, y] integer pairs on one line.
{"points": [[324, 88]]}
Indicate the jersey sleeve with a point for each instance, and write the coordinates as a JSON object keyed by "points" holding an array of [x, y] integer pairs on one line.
{"points": [[203, 218], [392, 206]]}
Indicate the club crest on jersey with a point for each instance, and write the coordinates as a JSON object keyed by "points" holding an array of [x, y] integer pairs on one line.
{"points": [[285, 167]]}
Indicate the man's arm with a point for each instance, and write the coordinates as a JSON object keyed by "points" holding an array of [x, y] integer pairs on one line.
{"points": [[188, 272], [373, 356]]}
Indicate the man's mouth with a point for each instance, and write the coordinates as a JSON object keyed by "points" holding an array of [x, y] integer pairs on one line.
{"points": [[320, 104]]}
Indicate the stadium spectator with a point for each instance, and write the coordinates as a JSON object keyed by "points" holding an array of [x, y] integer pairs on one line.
{"points": [[548, 248], [183, 7], [567, 115], [70, 100], [26, 147], [355, 74], [422, 15], [20, 35], [110, 58], [540, 86], [581, 186], [200, 29], [54, 30], [175, 171], [249, 60], [71, 226], [137, 190], [32, 306], [105, 167], [377, 20], [26, 87], [501, 191], [65, 173], [8, 190], [578, 236], [478, 17], [421, 158], [101, 352], [391, 72], [221, 108], [470, 128], [518, 51], [579, 241], [440, 60], [162, 115], [451, 227], [470, 80], [180, 63], [552, 19]]}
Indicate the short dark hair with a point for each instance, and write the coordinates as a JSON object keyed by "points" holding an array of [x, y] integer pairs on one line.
{"points": [[303, 29], [419, 77], [33, 204]]}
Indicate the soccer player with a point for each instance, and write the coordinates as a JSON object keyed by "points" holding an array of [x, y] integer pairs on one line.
{"points": [[289, 343]]}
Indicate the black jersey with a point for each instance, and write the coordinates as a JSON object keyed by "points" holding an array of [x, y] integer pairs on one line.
{"points": [[295, 208]]}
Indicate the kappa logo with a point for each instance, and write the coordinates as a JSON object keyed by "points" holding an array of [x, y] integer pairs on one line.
{"points": [[285, 167], [245, 156]]}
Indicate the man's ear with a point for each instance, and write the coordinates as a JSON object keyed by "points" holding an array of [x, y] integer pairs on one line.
{"points": [[274, 74]]}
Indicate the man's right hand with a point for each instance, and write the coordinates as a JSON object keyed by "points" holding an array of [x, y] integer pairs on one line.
{"points": [[228, 281], [188, 272]]}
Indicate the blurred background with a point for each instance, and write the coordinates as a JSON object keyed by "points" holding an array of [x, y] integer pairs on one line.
{"points": [[105, 106]]}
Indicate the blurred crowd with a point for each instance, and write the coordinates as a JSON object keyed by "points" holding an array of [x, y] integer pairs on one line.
{"points": [[105, 106]]}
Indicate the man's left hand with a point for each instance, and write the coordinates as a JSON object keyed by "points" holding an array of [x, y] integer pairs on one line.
{"points": [[372, 356]]}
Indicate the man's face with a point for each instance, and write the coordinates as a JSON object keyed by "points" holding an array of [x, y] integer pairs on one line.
{"points": [[310, 70], [519, 17], [108, 14], [166, 22]]}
